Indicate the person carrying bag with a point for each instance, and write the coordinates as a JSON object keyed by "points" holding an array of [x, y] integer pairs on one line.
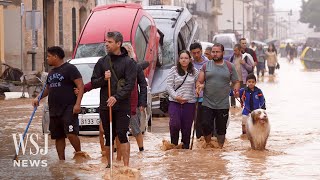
{"points": [[182, 99]]}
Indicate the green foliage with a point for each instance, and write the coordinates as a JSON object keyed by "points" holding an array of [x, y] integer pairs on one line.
{"points": [[310, 13]]}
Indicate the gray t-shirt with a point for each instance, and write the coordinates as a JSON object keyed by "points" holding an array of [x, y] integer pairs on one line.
{"points": [[217, 85]]}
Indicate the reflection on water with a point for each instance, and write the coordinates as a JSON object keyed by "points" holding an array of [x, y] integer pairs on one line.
{"points": [[292, 149]]}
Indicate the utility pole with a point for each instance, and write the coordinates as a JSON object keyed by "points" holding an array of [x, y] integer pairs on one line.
{"points": [[21, 34], [253, 29], [233, 19], [265, 19], [243, 35], [45, 35]]}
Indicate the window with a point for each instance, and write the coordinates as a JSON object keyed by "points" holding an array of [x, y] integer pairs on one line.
{"points": [[60, 23], [141, 44], [74, 29], [142, 38]]}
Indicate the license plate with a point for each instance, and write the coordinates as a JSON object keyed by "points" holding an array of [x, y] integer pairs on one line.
{"points": [[89, 121]]}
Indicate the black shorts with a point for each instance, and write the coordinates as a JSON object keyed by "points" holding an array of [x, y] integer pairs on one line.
{"points": [[218, 116], [120, 124], [64, 123]]}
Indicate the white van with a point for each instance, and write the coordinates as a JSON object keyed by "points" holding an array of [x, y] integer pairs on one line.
{"points": [[228, 40]]}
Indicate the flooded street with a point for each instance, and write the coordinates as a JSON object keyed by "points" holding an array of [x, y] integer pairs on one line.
{"points": [[292, 149]]}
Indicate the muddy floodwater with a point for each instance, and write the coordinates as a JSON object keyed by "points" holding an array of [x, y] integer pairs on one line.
{"points": [[293, 148]]}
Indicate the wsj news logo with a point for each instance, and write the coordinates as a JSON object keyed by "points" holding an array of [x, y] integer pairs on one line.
{"points": [[32, 151]]}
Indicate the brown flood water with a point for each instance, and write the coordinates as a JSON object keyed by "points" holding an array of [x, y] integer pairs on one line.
{"points": [[292, 149]]}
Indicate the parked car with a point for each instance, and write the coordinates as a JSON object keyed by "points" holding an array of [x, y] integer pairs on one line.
{"points": [[228, 40], [89, 119], [179, 30], [139, 30]]}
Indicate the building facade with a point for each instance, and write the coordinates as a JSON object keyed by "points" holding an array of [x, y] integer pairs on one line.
{"points": [[59, 23], [248, 18]]}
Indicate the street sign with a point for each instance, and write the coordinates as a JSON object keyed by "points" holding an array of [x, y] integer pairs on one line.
{"points": [[33, 20], [22, 9]]}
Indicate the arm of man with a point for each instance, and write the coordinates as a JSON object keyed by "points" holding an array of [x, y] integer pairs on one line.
{"points": [[235, 81], [98, 75], [79, 83], [200, 80], [262, 100], [36, 100], [141, 80]]}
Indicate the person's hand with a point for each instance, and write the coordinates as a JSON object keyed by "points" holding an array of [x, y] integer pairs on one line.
{"points": [[181, 100], [35, 102], [199, 88], [236, 93], [242, 61], [111, 101], [76, 109], [107, 75], [141, 108], [76, 91]]}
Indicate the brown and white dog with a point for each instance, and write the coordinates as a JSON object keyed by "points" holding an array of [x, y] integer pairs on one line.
{"points": [[258, 129]]}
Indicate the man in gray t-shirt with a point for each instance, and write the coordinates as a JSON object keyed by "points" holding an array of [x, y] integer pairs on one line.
{"points": [[215, 77]]}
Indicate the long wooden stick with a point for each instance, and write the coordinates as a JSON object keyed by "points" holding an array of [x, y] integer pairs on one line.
{"points": [[194, 122], [110, 119]]}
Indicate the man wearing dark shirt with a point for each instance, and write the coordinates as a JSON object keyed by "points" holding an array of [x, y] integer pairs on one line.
{"points": [[118, 61], [64, 105]]}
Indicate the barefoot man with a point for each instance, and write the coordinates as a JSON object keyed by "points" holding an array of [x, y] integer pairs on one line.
{"points": [[217, 75]]}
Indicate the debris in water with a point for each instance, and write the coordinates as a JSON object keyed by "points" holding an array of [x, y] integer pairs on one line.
{"points": [[166, 145]]}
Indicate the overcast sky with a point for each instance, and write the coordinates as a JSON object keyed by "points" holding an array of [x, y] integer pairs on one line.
{"points": [[287, 4]]}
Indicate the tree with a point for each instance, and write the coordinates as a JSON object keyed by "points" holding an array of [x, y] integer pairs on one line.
{"points": [[310, 13]]}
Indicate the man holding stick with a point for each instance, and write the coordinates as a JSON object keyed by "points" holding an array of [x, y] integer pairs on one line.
{"points": [[64, 105], [121, 70]]}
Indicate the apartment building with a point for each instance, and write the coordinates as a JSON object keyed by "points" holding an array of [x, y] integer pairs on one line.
{"points": [[61, 26]]}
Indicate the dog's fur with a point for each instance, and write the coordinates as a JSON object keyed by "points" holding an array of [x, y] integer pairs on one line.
{"points": [[258, 129]]}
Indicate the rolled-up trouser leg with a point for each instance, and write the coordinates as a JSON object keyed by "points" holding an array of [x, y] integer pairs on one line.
{"points": [[175, 121]]}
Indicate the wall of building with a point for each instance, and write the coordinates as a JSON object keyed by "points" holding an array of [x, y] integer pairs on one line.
{"points": [[12, 38], [12, 33]]}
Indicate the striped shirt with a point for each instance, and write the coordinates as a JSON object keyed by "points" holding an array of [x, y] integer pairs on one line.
{"points": [[187, 90]]}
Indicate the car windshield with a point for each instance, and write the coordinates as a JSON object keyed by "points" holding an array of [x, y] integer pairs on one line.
{"points": [[167, 48], [91, 50], [85, 71], [165, 21]]}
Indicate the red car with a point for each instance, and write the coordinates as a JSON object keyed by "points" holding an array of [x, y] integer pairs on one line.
{"points": [[136, 26]]}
